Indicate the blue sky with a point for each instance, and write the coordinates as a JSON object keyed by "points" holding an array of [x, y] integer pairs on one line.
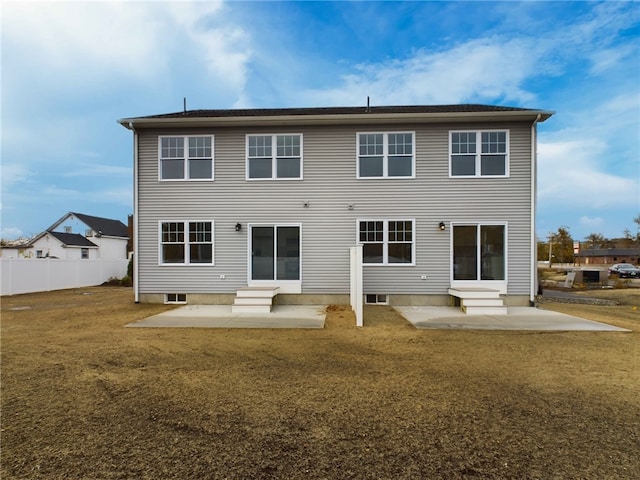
{"points": [[70, 70]]}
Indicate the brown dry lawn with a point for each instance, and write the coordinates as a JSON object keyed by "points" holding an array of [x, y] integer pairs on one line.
{"points": [[83, 397]]}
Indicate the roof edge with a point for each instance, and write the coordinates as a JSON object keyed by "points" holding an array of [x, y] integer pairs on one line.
{"points": [[322, 116]]}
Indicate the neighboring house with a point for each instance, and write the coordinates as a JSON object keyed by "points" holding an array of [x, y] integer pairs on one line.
{"points": [[440, 197], [607, 256], [20, 248], [77, 236]]}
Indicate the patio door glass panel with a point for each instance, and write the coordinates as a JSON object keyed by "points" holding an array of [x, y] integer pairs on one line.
{"points": [[275, 253], [479, 252], [262, 253], [492, 247], [288, 253], [465, 252]]}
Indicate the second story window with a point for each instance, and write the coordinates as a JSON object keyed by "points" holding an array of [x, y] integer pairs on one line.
{"points": [[386, 155], [186, 158], [274, 157], [479, 153]]}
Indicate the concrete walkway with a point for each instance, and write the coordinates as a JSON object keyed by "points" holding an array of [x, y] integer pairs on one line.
{"points": [[221, 316], [518, 318], [305, 316]]}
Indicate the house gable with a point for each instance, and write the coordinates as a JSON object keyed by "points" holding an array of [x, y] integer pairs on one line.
{"points": [[97, 225]]}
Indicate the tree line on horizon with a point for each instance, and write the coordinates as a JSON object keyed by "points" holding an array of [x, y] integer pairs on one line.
{"points": [[561, 243]]}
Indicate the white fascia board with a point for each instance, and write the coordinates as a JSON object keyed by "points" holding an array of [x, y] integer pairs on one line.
{"points": [[335, 119]]}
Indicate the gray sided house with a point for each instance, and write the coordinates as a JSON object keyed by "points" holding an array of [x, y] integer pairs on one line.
{"points": [[440, 197]]}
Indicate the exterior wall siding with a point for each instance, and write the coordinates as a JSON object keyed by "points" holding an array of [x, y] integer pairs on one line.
{"points": [[328, 226]]}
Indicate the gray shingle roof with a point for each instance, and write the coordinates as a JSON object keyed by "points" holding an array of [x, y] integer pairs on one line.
{"points": [[73, 239], [104, 226], [266, 112]]}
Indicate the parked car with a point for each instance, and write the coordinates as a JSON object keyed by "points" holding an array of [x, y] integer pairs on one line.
{"points": [[625, 270]]}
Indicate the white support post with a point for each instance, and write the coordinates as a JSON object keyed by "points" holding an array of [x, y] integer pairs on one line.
{"points": [[355, 254]]}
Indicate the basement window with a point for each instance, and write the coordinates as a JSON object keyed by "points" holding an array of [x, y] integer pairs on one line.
{"points": [[176, 298], [371, 299]]}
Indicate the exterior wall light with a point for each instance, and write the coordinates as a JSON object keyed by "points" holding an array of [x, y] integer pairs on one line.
{"points": [[238, 227], [441, 225]]}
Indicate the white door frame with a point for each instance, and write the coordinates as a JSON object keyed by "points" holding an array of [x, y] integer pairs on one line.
{"points": [[286, 286], [500, 285]]}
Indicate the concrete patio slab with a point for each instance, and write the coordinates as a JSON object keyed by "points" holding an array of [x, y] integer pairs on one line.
{"points": [[221, 316], [518, 318]]}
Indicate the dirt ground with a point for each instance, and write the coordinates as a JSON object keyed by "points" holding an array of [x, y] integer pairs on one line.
{"points": [[83, 397]]}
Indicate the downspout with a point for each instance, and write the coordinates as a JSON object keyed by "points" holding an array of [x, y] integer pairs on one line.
{"points": [[136, 237], [534, 186]]}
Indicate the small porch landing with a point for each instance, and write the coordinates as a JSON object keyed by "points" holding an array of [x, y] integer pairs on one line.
{"points": [[478, 301], [254, 299]]}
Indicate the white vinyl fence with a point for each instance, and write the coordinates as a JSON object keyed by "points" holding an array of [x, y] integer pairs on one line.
{"points": [[20, 275], [356, 283]]}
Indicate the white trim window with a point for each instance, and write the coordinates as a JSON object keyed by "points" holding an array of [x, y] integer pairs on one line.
{"points": [[186, 243], [479, 251], [481, 153], [387, 242], [188, 157], [386, 155], [274, 157]]}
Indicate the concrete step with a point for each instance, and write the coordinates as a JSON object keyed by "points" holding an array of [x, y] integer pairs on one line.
{"points": [[252, 301], [265, 292], [461, 292], [260, 309], [485, 310], [482, 302]]}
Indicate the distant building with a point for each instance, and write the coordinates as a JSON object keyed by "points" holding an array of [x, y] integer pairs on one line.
{"points": [[75, 236], [607, 256]]}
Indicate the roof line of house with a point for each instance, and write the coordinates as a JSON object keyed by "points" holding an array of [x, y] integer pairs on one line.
{"points": [[338, 115]]}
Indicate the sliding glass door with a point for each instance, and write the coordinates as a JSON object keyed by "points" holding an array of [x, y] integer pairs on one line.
{"points": [[479, 252], [275, 253]]}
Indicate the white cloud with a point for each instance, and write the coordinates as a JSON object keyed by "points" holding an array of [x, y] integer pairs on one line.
{"points": [[486, 68], [12, 173], [98, 170], [569, 174], [589, 222], [99, 36], [89, 43], [9, 233], [113, 196]]}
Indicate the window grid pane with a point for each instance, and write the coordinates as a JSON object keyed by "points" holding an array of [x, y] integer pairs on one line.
{"points": [[494, 142], [288, 146], [400, 144], [371, 231], [401, 231], [199, 232], [199, 147], [463, 142], [260, 146], [371, 144], [172, 232], [172, 147]]}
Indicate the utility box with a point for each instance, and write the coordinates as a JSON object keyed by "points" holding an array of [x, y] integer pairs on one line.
{"points": [[591, 276]]}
